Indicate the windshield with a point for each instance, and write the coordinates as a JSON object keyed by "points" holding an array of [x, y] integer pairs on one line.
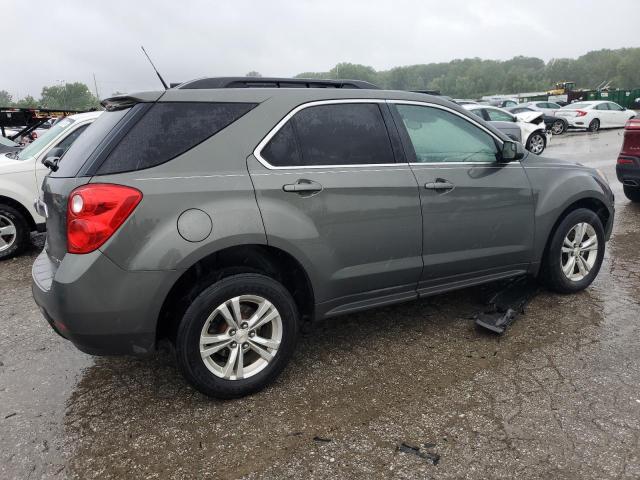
{"points": [[37, 145], [7, 142], [575, 106]]}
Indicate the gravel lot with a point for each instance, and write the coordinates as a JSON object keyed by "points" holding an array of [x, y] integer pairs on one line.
{"points": [[410, 391]]}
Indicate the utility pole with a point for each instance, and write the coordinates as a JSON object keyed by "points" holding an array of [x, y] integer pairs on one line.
{"points": [[95, 84]]}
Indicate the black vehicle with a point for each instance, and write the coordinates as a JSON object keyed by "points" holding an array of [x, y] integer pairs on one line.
{"points": [[556, 125]]}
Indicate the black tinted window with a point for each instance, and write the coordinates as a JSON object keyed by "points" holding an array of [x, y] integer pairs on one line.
{"points": [[338, 134], [168, 130]]}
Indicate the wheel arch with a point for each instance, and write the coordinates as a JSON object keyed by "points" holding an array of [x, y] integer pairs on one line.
{"points": [[590, 203], [248, 258]]}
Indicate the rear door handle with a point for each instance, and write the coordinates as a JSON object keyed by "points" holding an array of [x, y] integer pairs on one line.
{"points": [[303, 186], [439, 186]]}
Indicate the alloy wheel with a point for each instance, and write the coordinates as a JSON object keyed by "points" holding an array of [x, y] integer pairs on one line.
{"points": [[557, 128], [536, 144], [8, 233], [579, 251], [240, 337]]}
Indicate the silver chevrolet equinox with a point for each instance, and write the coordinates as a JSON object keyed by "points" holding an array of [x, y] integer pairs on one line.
{"points": [[221, 216]]}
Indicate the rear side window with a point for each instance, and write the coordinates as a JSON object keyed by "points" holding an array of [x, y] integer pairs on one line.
{"points": [[168, 130], [335, 134]]}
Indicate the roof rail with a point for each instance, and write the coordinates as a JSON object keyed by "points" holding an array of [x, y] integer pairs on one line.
{"points": [[271, 82]]}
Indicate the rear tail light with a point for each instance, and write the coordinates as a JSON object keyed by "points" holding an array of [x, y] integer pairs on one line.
{"points": [[625, 161], [95, 212], [580, 113], [633, 124]]}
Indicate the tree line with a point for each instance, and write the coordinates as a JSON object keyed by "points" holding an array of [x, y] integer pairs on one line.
{"points": [[466, 78], [474, 77], [70, 96]]}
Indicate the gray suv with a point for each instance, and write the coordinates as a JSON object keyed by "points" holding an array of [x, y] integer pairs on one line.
{"points": [[222, 218]]}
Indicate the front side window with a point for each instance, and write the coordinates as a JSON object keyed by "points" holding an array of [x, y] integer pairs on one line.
{"points": [[333, 134], [499, 116], [441, 136], [615, 107]]}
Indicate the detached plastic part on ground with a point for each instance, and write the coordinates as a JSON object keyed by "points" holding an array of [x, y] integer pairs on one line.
{"points": [[506, 304]]}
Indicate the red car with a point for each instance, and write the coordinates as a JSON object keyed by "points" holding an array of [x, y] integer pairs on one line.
{"points": [[628, 166]]}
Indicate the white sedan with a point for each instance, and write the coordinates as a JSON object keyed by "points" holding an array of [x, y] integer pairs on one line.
{"points": [[595, 115]]}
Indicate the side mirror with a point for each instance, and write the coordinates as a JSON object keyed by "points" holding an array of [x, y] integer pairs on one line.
{"points": [[52, 158], [511, 151]]}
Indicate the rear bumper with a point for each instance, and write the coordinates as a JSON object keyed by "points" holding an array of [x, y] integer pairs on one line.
{"points": [[629, 173], [101, 308]]}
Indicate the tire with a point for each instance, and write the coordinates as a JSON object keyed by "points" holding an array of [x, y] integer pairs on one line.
{"points": [[558, 127], [209, 373], [14, 232], [632, 193], [536, 143], [555, 259], [594, 126]]}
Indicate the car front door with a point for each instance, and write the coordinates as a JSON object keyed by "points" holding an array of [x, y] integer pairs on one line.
{"points": [[617, 114], [477, 212], [334, 189]]}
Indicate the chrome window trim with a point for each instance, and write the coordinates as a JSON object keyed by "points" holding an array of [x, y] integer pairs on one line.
{"points": [[257, 152]]}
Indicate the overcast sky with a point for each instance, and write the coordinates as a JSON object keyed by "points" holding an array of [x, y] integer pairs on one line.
{"points": [[47, 42]]}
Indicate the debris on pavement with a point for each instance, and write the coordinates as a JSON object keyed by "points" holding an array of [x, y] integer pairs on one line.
{"points": [[507, 304], [321, 439], [430, 457]]}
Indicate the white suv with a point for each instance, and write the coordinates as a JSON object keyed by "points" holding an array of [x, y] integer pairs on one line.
{"points": [[21, 175]]}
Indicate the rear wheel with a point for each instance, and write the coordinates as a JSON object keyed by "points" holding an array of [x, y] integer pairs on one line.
{"points": [[594, 126], [536, 143], [558, 127], [237, 335], [14, 232], [632, 193], [575, 252]]}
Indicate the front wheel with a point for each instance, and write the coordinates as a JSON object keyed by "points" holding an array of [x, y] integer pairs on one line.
{"points": [[594, 126], [632, 193], [536, 143], [237, 335], [575, 252], [558, 127], [14, 232]]}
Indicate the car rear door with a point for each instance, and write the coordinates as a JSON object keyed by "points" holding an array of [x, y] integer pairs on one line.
{"points": [[478, 214], [604, 115], [334, 188]]}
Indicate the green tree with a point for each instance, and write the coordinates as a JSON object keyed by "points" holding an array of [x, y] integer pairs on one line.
{"points": [[6, 100], [72, 96], [27, 102]]}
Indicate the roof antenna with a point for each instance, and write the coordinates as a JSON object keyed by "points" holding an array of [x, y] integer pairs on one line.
{"points": [[164, 84]]}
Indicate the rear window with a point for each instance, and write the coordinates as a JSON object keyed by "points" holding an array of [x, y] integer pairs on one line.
{"points": [[168, 130]]}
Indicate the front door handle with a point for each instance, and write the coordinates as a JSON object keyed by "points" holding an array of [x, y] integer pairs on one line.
{"points": [[303, 186], [439, 185]]}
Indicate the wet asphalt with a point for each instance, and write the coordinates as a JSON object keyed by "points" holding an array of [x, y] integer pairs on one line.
{"points": [[409, 391]]}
